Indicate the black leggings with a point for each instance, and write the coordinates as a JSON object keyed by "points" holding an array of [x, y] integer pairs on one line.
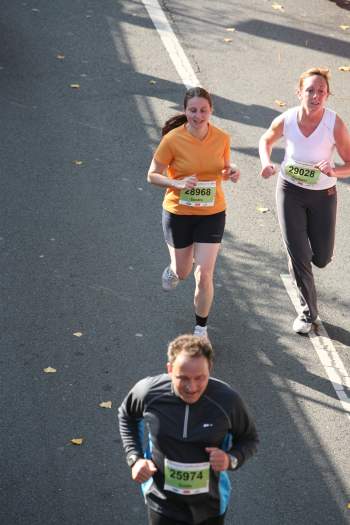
{"points": [[307, 221], [158, 519]]}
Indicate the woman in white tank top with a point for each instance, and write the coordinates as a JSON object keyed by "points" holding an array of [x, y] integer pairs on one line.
{"points": [[306, 188]]}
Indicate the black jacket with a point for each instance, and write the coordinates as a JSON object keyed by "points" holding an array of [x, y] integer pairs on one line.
{"points": [[181, 432]]}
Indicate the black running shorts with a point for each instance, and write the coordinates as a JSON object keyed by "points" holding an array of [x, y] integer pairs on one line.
{"points": [[181, 231]]}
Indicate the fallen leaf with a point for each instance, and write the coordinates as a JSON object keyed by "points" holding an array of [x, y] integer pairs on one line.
{"points": [[262, 210], [49, 370], [138, 335], [280, 103], [344, 27], [228, 40], [105, 404], [344, 68], [77, 441], [153, 82], [60, 56], [78, 334], [77, 162], [277, 7], [74, 86], [348, 506], [230, 29]]}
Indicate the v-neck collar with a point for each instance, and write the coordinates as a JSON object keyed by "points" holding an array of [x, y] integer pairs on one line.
{"points": [[196, 139], [314, 131]]}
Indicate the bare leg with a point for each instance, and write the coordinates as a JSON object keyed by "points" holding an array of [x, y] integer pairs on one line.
{"points": [[205, 255], [181, 260]]}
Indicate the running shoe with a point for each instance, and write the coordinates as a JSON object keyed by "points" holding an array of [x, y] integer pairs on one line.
{"points": [[169, 279], [201, 331], [302, 326]]}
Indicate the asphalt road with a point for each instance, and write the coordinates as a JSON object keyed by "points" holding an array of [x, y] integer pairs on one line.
{"points": [[84, 89]]}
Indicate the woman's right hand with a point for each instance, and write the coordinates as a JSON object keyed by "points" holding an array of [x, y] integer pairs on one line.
{"points": [[187, 183], [268, 171]]}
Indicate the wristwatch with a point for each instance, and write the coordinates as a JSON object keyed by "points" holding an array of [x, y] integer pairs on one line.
{"points": [[233, 462], [131, 459]]}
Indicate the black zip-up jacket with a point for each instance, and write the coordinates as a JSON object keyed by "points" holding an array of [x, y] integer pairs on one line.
{"points": [[180, 432]]}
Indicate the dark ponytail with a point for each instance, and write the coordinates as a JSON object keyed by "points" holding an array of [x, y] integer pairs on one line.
{"points": [[174, 122]]}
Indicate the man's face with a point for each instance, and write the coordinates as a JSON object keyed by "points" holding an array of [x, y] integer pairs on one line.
{"points": [[189, 376]]}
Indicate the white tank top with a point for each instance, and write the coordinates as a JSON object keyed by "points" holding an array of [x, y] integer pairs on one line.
{"points": [[302, 152]]}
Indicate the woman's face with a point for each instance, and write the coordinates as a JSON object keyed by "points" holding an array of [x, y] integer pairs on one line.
{"points": [[198, 112], [314, 93]]}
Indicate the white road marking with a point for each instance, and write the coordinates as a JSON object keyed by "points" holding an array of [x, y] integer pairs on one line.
{"points": [[171, 43], [327, 354]]}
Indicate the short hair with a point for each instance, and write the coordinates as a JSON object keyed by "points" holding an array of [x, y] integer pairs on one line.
{"points": [[193, 345], [320, 71]]}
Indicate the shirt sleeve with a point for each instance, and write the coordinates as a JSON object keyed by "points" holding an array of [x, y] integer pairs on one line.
{"points": [[227, 151], [164, 152], [245, 436], [130, 415]]}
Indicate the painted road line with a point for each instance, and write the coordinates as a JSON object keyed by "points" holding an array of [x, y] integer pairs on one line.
{"points": [[171, 43], [326, 352]]}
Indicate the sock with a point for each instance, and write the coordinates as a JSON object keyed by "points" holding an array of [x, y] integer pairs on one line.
{"points": [[201, 321]]}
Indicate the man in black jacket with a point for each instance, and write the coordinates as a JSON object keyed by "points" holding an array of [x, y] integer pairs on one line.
{"points": [[197, 428]]}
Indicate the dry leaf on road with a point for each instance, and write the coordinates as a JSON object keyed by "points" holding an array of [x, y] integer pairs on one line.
{"points": [[344, 27], [78, 334], [77, 441], [280, 103], [262, 209], [228, 40], [344, 68], [230, 29], [277, 7], [77, 162], [105, 404], [49, 370], [74, 86]]}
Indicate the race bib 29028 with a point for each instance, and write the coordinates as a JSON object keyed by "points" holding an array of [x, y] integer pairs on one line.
{"points": [[302, 172]]}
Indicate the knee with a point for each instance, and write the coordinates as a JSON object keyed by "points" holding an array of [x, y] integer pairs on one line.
{"points": [[321, 262], [203, 276]]}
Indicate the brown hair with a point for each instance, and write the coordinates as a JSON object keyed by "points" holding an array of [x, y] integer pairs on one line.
{"points": [[322, 72], [193, 345], [178, 120]]}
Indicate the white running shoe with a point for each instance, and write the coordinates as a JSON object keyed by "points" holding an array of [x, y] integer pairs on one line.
{"points": [[201, 331], [169, 279], [301, 325]]}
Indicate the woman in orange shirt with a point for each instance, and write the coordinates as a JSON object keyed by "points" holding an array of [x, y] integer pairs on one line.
{"points": [[191, 161]]}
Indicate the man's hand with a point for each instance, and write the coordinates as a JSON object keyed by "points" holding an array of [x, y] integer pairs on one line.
{"points": [[143, 470], [218, 459]]}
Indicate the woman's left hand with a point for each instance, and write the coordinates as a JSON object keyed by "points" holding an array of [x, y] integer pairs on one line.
{"points": [[326, 168], [231, 173]]}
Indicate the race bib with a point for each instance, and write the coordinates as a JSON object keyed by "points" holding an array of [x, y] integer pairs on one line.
{"points": [[202, 195], [186, 478], [302, 172]]}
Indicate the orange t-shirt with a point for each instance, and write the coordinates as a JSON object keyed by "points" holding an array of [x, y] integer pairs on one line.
{"points": [[186, 155]]}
